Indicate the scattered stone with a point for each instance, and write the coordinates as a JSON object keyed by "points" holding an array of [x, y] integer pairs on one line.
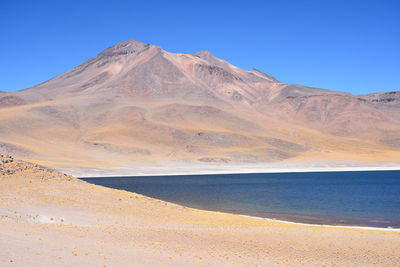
{"points": [[214, 160], [10, 166], [6, 159]]}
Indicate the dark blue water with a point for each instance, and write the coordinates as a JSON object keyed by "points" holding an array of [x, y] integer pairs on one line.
{"points": [[369, 198]]}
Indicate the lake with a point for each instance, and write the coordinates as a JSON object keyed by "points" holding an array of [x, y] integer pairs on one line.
{"points": [[362, 198]]}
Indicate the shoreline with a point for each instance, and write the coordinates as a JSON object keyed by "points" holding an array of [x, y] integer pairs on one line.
{"points": [[375, 228], [82, 224], [323, 225], [284, 221], [130, 172]]}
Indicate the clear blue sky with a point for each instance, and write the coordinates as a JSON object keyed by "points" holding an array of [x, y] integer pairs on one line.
{"points": [[351, 45]]}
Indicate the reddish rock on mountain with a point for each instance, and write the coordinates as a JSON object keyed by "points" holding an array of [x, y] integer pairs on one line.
{"points": [[136, 103]]}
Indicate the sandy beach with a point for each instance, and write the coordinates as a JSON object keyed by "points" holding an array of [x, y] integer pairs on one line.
{"points": [[190, 168], [51, 219]]}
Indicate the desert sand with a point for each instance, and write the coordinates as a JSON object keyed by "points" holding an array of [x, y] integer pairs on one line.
{"points": [[51, 219]]}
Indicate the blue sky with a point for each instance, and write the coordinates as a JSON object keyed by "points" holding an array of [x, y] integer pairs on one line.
{"points": [[351, 46]]}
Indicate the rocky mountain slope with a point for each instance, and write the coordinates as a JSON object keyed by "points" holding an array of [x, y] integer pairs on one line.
{"points": [[136, 103]]}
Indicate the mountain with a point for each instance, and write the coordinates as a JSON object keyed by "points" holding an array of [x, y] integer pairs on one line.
{"points": [[135, 103]]}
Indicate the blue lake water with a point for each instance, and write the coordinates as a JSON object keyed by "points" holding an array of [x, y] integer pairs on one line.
{"points": [[370, 198]]}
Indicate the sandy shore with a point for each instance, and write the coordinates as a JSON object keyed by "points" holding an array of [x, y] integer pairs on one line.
{"points": [[198, 168], [48, 219]]}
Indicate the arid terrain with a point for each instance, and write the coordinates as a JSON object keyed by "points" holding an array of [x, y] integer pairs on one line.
{"points": [[136, 104], [51, 219]]}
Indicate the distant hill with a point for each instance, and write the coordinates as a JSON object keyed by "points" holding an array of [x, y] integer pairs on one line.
{"points": [[136, 103]]}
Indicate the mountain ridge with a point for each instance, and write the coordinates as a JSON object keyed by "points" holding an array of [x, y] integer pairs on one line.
{"points": [[135, 102]]}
